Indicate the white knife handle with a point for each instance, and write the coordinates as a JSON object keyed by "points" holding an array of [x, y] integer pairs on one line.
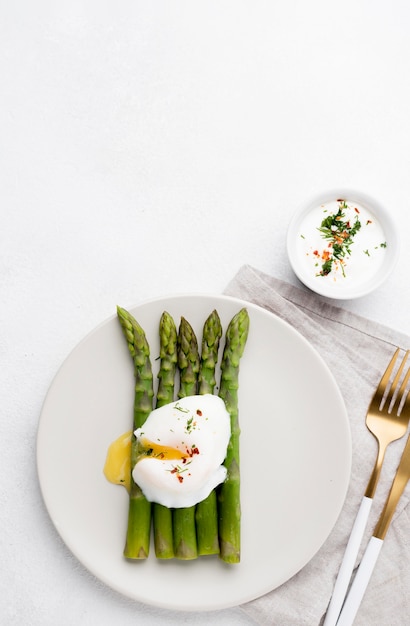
{"points": [[360, 582], [348, 562]]}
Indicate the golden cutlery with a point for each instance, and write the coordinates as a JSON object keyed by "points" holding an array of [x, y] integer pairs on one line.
{"points": [[387, 419], [375, 544]]}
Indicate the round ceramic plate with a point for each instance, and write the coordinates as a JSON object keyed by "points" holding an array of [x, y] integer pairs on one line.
{"points": [[295, 458], [373, 250]]}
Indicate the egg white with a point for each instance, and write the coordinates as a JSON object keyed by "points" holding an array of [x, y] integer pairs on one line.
{"points": [[197, 427]]}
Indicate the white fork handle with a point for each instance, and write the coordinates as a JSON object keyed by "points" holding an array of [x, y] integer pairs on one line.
{"points": [[360, 582], [348, 562]]}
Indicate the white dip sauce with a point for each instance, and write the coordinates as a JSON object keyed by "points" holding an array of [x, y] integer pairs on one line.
{"points": [[344, 256]]}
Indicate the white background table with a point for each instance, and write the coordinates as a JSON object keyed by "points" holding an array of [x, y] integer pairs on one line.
{"points": [[151, 148]]}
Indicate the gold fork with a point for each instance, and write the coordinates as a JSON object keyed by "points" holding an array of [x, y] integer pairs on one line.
{"points": [[387, 420]]}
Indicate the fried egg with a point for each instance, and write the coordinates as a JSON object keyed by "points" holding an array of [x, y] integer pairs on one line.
{"points": [[180, 451]]}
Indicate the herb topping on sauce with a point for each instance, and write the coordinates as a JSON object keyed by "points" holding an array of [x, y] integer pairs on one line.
{"points": [[339, 233]]}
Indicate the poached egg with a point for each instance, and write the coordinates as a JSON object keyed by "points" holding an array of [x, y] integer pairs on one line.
{"points": [[180, 450]]}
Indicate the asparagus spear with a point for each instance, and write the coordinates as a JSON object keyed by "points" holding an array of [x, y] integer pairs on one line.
{"points": [[185, 543], [188, 359], [212, 334], [168, 354], [139, 513], [162, 517], [206, 514], [229, 491]]}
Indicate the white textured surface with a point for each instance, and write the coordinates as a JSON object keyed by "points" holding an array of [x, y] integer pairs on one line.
{"points": [[153, 148]]}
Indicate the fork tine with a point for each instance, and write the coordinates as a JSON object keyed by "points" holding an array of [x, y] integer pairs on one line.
{"points": [[404, 405], [392, 392], [381, 389]]}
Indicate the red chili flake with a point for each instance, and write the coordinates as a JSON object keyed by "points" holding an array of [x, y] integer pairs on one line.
{"points": [[357, 210], [180, 478], [174, 470], [184, 460], [340, 200], [199, 412], [326, 255], [192, 451], [316, 252], [369, 222]]}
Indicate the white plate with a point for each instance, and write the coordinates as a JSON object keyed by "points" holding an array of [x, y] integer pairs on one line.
{"points": [[295, 458]]}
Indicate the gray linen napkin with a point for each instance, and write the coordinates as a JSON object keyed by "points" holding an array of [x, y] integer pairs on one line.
{"points": [[357, 352]]}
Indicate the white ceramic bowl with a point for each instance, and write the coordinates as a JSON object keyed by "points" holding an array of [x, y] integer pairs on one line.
{"points": [[374, 249]]}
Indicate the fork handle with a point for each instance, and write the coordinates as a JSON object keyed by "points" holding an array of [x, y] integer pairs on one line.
{"points": [[360, 582], [348, 562]]}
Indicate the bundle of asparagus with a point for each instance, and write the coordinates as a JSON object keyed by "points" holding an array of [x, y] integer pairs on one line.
{"points": [[213, 525]]}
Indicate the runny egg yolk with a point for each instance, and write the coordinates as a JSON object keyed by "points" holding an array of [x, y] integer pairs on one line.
{"points": [[117, 468], [165, 453]]}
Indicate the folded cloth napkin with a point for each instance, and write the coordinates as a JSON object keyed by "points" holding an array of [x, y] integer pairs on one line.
{"points": [[357, 352]]}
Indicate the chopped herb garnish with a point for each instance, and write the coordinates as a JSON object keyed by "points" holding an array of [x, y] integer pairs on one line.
{"points": [[326, 267], [181, 408], [366, 252], [339, 232], [190, 425], [178, 470]]}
